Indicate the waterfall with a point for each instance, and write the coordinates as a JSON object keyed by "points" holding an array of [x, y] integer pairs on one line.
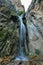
{"points": [[22, 35], [22, 40]]}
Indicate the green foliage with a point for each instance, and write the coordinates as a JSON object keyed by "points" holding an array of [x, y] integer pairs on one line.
{"points": [[21, 12], [37, 51]]}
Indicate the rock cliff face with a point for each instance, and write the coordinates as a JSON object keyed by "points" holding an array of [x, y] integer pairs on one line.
{"points": [[9, 22], [35, 25], [8, 28]]}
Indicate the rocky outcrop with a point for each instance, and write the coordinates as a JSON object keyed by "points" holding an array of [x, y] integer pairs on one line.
{"points": [[19, 7], [35, 26]]}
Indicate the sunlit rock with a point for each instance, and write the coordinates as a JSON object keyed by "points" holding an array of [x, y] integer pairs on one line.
{"points": [[35, 25], [18, 5]]}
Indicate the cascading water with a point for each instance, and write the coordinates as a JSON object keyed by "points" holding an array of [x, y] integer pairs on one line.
{"points": [[22, 41]]}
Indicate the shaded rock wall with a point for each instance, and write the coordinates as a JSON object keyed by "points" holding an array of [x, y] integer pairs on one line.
{"points": [[9, 26], [9, 35], [35, 25]]}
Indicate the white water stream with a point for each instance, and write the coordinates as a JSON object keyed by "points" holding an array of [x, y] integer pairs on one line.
{"points": [[22, 41]]}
